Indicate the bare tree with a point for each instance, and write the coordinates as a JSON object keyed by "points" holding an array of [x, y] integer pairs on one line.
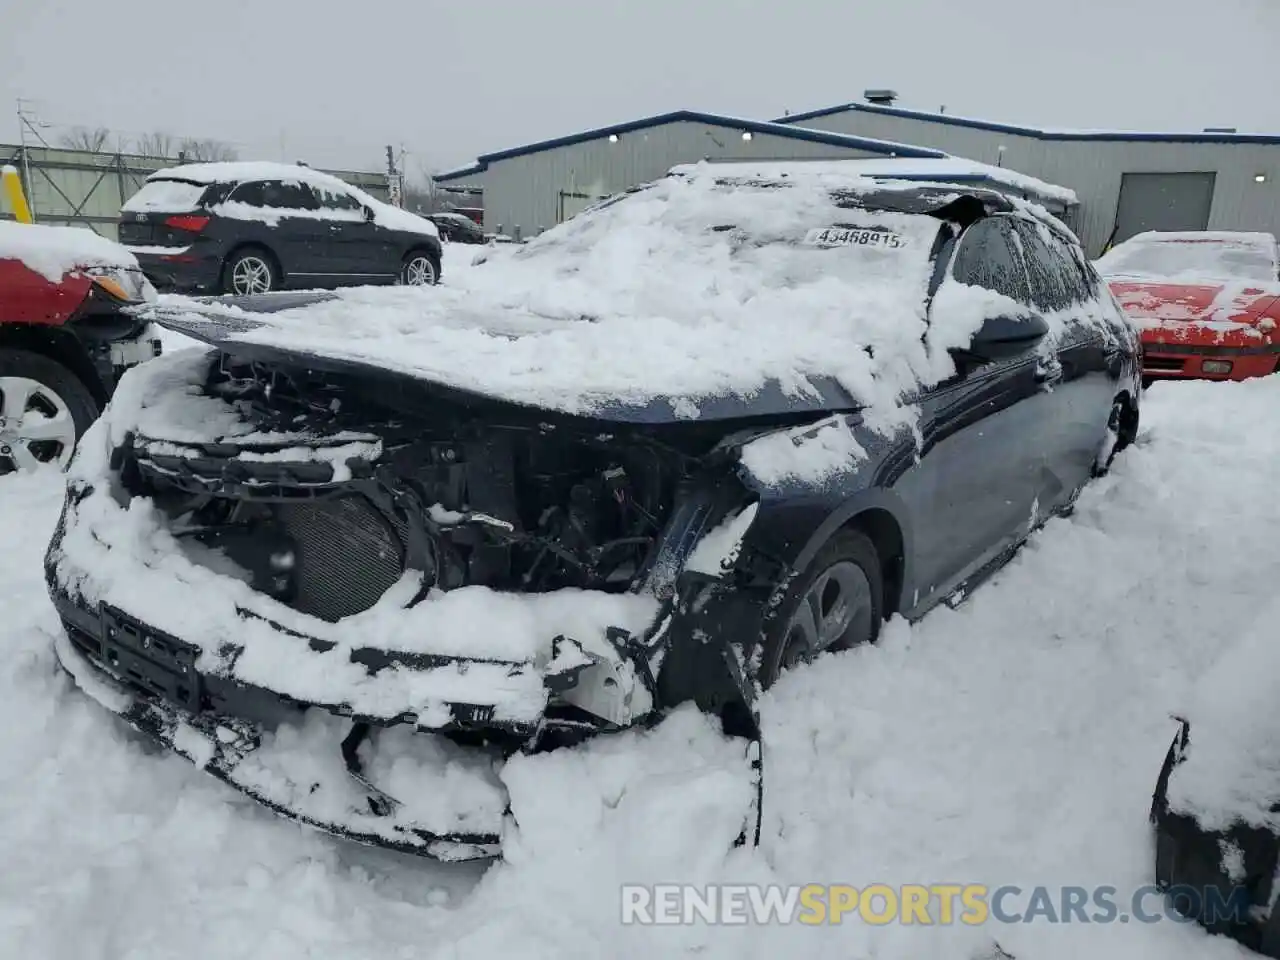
{"points": [[207, 151], [157, 146], [89, 139]]}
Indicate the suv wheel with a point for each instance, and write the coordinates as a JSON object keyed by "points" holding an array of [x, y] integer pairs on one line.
{"points": [[248, 272], [44, 410], [419, 270]]}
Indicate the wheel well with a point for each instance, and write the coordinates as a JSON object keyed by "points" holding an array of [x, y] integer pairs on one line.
{"points": [[242, 247], [60, 346], [885, 535]]}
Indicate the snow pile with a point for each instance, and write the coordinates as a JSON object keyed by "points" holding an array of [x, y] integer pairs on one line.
{"points": [[687, 289], [717, 552], [1232, 767], [1014, 740], [203, 174], [54, 252], [809, 455]]}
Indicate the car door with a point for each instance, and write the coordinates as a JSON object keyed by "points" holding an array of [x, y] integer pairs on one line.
{"points": [[353, 246], [1086, 352], [283, 218], [972, 486]]}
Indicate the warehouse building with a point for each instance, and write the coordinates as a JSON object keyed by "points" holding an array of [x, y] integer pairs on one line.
{"points": [[531, 188], [1126, 182]]}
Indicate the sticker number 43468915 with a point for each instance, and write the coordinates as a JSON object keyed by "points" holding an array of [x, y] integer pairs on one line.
{"points": [[854, 237]]}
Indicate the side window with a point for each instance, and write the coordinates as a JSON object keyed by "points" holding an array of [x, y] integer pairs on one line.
{"points": [[989, 257], [330, 199], [1056, 282], [252, 194], [288, 196]]}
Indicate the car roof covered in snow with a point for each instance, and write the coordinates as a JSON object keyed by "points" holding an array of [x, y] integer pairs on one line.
{"points": [[694, 296], [941, 170]]}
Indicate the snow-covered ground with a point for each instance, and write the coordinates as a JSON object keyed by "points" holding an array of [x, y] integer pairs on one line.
{"points": [[1014, 740]]}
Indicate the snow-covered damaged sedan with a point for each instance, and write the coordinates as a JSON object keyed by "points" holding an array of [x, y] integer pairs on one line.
{"points": [[366, 547]]}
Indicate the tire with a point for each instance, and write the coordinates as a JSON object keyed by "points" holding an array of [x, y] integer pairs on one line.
{"points": [[250, 270], [863, 587], [1121, 431], [40, 386], [420, 269]]}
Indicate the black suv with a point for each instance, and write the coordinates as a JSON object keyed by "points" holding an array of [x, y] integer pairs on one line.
{"points": [[458, 228], [247, 228]]}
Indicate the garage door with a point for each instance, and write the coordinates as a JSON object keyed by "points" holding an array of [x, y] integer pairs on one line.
{"points": [[1163, 201]]}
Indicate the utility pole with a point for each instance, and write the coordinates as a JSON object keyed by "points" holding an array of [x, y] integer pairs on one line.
{"points": [[25, 126], [394, 185]]}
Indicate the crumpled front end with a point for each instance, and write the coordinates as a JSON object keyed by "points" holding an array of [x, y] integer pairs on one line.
{"points": [[356, 617]]}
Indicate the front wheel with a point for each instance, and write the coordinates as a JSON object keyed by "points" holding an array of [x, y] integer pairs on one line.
{"points": [[420, 270], [836, 604], [44, 410]]}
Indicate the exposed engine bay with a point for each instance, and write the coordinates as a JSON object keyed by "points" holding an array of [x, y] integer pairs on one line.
{"points": [[521, 505]]}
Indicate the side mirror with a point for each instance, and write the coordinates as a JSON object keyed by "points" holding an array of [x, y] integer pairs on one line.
{"points": [[1008, 335], [368, 214]]}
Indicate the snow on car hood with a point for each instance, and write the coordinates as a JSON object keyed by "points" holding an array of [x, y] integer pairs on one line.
{"points": [[689, 289], [1236, 311], [54, 252]]}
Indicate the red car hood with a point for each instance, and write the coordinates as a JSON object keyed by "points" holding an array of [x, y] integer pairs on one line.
{"points": [[1223, 314]]}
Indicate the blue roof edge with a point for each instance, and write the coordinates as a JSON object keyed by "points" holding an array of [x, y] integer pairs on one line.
{"points": [[884, 147], [1033, 132]]}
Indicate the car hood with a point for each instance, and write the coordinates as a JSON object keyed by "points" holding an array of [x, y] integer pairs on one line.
{"points": [[1210, 302], [229, 323], [1218, 314]]}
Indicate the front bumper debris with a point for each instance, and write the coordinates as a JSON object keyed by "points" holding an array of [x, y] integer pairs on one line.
{"points": [[301, 762]]}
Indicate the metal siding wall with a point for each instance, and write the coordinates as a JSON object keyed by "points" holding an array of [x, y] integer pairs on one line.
{"points": [[1093, 168], [524, 191]]}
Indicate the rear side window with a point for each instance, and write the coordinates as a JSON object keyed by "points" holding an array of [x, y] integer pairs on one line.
{"points": [[1056, 280], [166, 196], [989, 256], [275, 194]]}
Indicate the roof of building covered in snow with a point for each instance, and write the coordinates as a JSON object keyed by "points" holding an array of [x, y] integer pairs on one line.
{"points": [[884, 147], [1037, 133]]}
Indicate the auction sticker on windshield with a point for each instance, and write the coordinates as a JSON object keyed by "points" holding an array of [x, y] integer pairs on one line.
{"points": [[855, 237]]}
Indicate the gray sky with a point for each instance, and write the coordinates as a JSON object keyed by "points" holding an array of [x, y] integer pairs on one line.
{"points": [[332, 83]]}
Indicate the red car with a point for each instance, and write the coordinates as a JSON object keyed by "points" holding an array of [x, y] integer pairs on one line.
{"points": [[1208, 303], [67, 332]]}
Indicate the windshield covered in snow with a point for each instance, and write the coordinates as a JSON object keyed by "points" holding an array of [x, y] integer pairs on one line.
{"points": [[1193, 258], [165, 196], [741, 236]]}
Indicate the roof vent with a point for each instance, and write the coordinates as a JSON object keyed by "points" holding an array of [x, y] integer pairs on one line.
{"points": [[883, 98]]}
